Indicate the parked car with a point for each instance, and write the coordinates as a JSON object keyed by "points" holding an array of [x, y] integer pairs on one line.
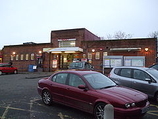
{"points": [[7, 68], [90, 91], [139, 78], [81, 66], [155, 66]]}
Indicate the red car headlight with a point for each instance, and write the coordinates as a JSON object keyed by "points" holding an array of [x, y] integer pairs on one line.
{"points": [[128, 105]]}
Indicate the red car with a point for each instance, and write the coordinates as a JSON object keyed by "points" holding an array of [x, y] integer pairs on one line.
{"points": [[90, 91], [7, 68]]}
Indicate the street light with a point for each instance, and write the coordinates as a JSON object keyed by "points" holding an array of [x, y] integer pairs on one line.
{"points": [[14, 53], [40, 52], [146, 49], [93, 50]]}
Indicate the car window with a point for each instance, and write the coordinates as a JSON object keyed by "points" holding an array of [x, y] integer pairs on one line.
{"points": [[98, 80], [87, 66], [7, 66], [74, 65], [154, 73], [60, 78], [141, 75], [116, 71], [4, 65], [155, 66], [126, 72], [75, 80]]}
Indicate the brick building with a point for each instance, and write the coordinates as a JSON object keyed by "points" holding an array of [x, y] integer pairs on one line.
{"points": [[127, 52], [24, 55], [67, 46], [0, 56], [70, 44]]}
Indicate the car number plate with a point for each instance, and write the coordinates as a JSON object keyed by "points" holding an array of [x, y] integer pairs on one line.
{"points": [[145, 109]]}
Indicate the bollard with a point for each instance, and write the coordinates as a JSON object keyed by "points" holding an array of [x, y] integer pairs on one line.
{"points": [[108, 112]]}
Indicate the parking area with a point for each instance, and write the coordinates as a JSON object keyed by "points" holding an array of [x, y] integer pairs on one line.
{"points": [[19, 100]]}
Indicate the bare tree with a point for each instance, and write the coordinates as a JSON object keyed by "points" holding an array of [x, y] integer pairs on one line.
{"points": [[119, 35], [122, 35], [109, 36], [153, 34]]}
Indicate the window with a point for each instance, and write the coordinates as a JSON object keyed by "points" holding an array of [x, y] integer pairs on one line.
{"points": [[155, 66], [98, 80], [22, 57], [60, 78], [17, 57], [84, 55], [141, 75], [32, 56], [75, 80], [88, 66], [126, 72], [12, 57], [27, 56], [116, 71], [105, 54], [97, 55], [67, 43], [89, 55]]}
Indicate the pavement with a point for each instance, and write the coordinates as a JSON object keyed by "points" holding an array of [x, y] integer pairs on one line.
{"points": [[33, 75]]}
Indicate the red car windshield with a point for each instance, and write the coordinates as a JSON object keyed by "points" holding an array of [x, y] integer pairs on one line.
{"points": [[99, 81]]}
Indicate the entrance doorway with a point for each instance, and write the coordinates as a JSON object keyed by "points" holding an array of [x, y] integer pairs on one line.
{"points": [[65, 60]]}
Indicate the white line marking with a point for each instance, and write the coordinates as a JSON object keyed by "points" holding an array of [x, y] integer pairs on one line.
{"points": [[5, 112]]}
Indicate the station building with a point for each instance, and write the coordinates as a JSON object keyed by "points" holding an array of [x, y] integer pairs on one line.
{"points": [[0, 56], [69, 45], [24, 55]]}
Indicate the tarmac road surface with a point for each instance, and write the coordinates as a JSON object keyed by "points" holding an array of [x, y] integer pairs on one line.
{"points": [[19, 99]]}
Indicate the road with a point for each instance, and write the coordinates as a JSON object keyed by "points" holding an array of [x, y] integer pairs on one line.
{"points": [[19, 99]]}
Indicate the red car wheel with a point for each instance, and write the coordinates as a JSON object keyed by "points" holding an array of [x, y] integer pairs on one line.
{"points": [[46, 98], [99, 111]]}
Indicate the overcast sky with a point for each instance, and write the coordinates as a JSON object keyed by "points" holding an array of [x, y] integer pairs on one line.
{"points": [[33, 20]]}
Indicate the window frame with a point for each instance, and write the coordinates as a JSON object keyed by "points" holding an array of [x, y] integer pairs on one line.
{"points": [[54, 78], [146, 74], [75, 81], [27, 57], [22, 57], [97, 55], [125, 70], [69, 43]]}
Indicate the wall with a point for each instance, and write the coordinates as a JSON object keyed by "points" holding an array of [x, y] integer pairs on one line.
{"points": [[29, 49], [80, 34], [0, 56], [105, 46]]}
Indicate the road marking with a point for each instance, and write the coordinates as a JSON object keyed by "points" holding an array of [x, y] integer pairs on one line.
{"points": [[153, 112], [5, 112], [30, 110], [154, 105], [62, 116]]}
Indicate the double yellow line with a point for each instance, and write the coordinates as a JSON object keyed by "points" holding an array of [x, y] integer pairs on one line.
{"points": [[153, 112]]}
